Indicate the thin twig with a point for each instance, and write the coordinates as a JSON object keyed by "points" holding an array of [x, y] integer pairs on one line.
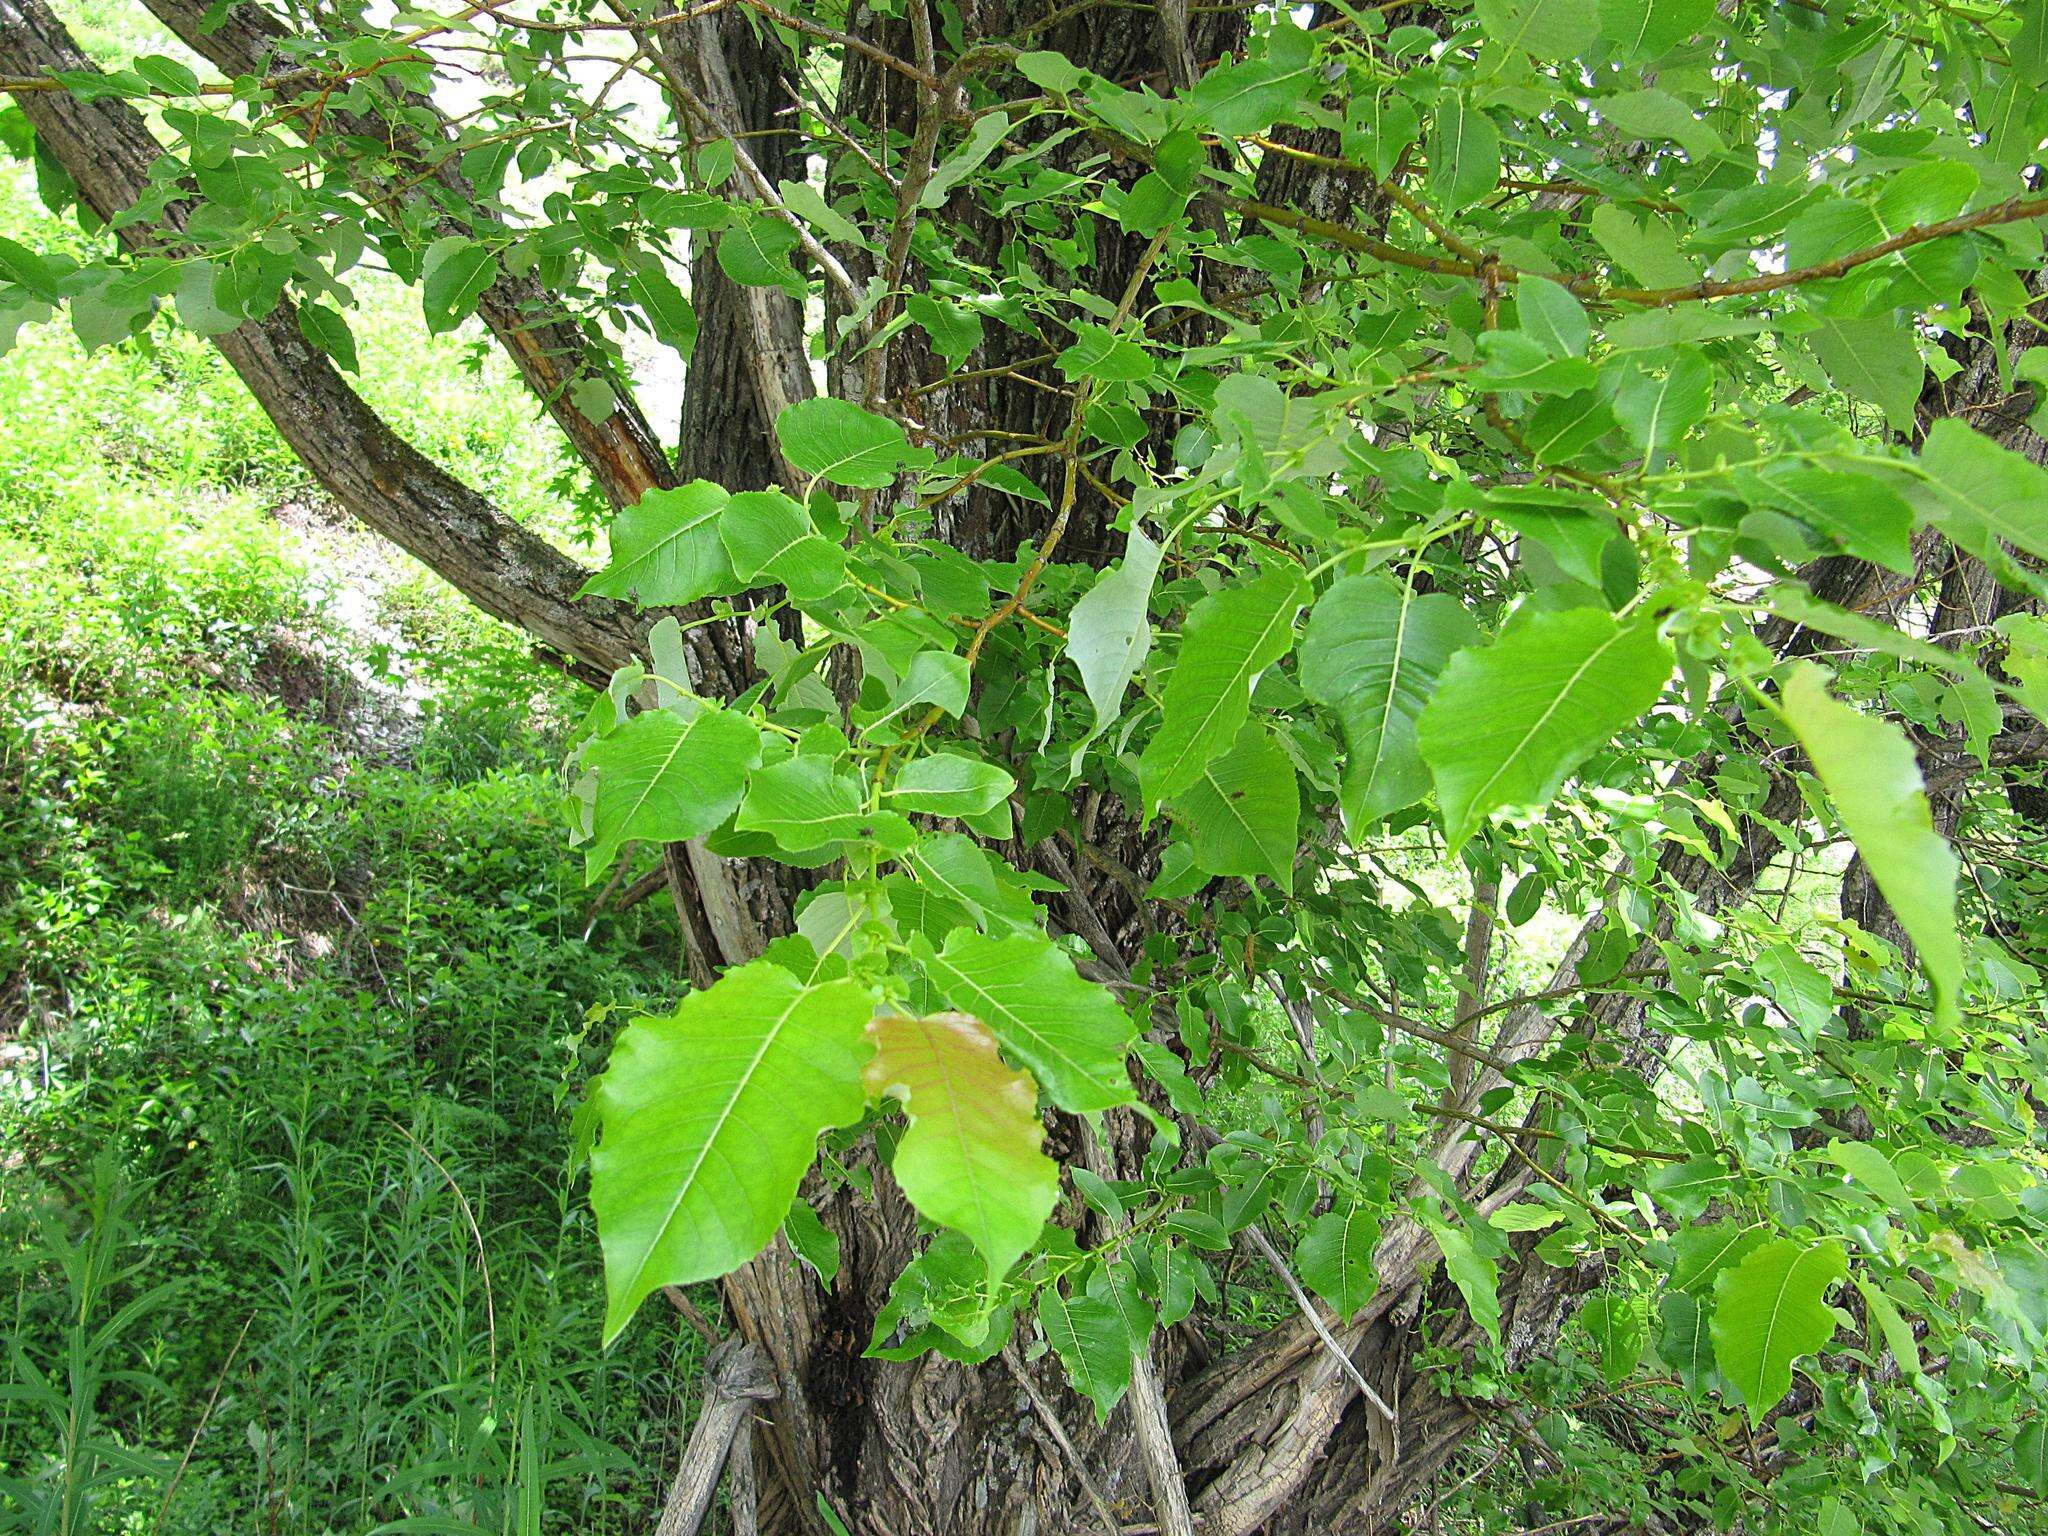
{"points": [[199, 1429], [1337, 1352], [1058, 1432]]}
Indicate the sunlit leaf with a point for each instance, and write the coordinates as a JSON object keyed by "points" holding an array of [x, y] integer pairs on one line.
{"points": [[710, 1118], [1770, 1311]]}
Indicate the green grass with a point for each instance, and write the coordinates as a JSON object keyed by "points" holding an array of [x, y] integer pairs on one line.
{"points": [[294, 984]]}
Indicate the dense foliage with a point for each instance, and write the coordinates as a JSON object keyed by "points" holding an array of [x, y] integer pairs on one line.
{"points": [[294, 983], [1254, 523]]}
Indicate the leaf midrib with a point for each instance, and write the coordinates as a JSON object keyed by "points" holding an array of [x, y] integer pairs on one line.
{"points": [[1540, 722], [725, 1113]]}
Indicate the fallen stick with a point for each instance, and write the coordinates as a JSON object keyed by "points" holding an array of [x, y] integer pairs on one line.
{"points": [[736, 1376]]}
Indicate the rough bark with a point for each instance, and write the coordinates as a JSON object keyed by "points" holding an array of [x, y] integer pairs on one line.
{"points": [[726, 433]]}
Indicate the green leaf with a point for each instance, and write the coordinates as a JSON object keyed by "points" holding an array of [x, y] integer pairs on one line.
{"points": [[837, 441], [1116, 1282], [754, 250], [167, 74], [1464, 153], [1874, 358], [1109, 633], [1644, 29], [1683, 1339], [940, 1301], [1794, 602], [812, 1241], [668, 313], [2026, 659], [1373, 651], [454, 274], [1517, 361], [1982, 493], [982, 139], [326, 329], [1657, 410], [808, 204], [1868, 1166], [1099, 353], [1860, 512], [2030, 1456], [1701, 1252], [1476, 1276], [593, 398], [1251, 95], [666, 549], [768, 534], [1647, 249], [1544, 29], [1508, 723], [1549, 313], [1243, 812], [710, 1118], [1050, 71], [1768, 1312], [1563, 427], [1615, 1325], [1654, 114], [805, 803], [1089, 1336], [947, 784], [1229, 638], [19, 264], [970, 1159], [1872, 775], [1069, 1032], [955, 330], [199, 307], [1334, 1258], [1686, 1189], [665, 779], [933, 680], [1891, 1326]]}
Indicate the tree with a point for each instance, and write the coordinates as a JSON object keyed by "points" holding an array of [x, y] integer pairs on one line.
{"points": [[1192, 526]]}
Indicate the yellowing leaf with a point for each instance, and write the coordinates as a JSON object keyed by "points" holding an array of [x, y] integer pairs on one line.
{"points": [[970, 1159]]}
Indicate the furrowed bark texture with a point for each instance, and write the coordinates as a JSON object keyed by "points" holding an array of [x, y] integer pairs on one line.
{"points": [[549, 352]]}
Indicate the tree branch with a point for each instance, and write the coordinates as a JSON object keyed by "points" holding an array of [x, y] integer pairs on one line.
{"points": [[369, 469]]}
